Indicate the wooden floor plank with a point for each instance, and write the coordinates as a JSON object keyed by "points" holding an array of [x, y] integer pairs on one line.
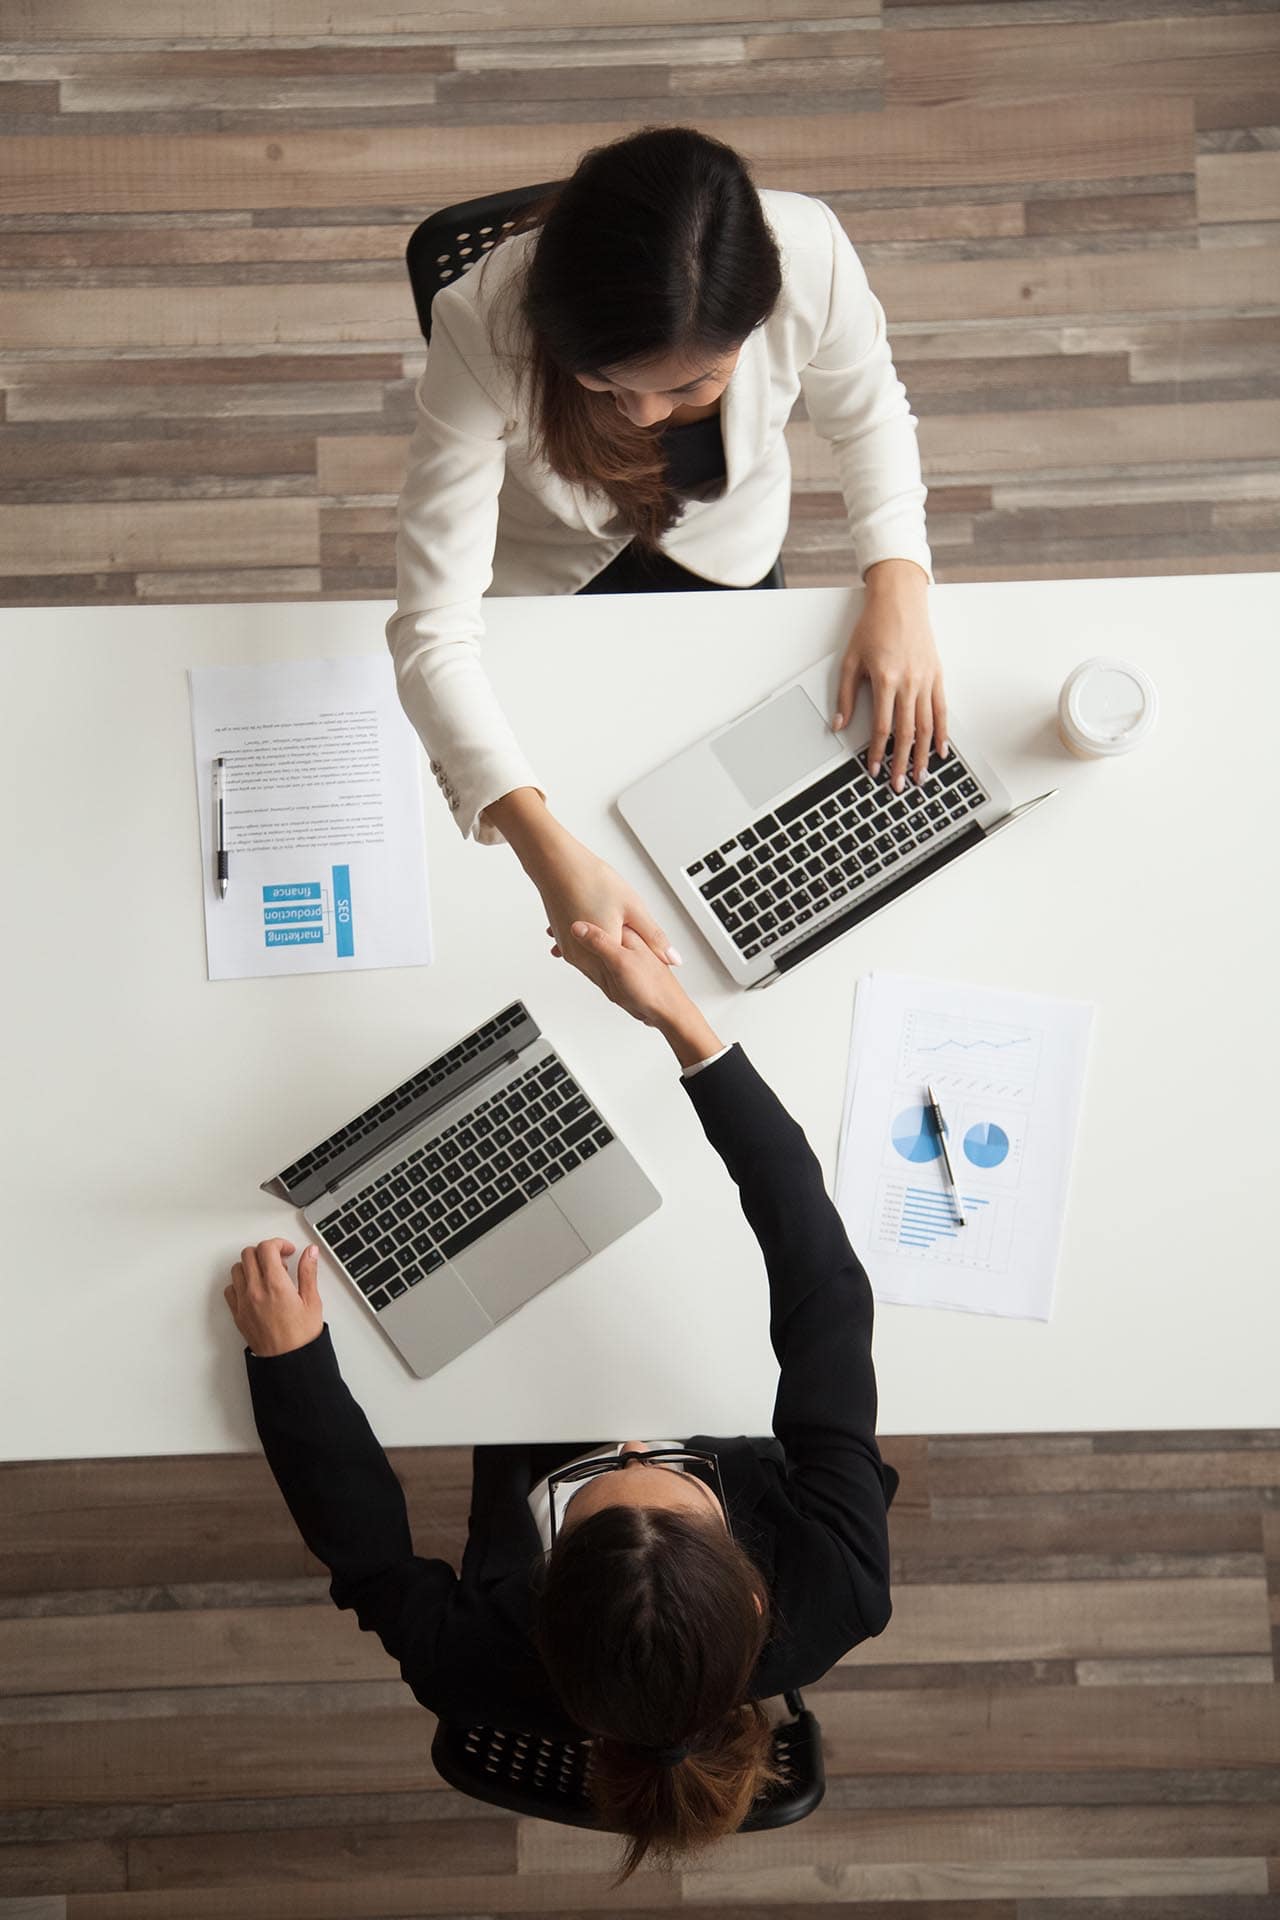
{"points": [[1060, 440], [60, 21], [352, 1854], [475, 1896], [1027, 1471], [1080, 286], [1238, 186], [1088, 139], [1245, 1670], [210, 1648], [207, 317], [1132, 57], [202, 1757], [1136, 1727], [194, 400], [211, 370], [76, 1866], [1111, 1879], [77, 247], [1073, 1619], [173, 533]]}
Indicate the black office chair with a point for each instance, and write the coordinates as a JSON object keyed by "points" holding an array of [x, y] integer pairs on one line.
{"points": [[449, 243], [528, 1773]]}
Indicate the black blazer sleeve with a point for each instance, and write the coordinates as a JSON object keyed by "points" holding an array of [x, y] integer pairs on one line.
{"points": [[349, 1506], [821, 1312]]}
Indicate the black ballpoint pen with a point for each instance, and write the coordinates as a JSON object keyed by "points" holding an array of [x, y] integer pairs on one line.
{"points": [[220, 827], [935, 1114]]}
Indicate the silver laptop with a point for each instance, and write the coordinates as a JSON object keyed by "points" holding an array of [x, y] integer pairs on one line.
{"points": [[776, 839], [468, 1189]]}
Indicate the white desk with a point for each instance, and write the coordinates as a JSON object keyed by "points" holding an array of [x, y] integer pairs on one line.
{"points": [[144, 1105]]}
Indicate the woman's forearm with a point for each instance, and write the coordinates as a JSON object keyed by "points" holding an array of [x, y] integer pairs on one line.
{"points": [[689, 1035], [899, 577], [529, 827]]}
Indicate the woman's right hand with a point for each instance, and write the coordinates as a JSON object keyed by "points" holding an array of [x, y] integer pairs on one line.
{"points": [[632, 977], [577, 885]]}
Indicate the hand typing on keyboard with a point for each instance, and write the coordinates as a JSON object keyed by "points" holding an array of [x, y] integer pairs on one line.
{"points": [[892, 649]]}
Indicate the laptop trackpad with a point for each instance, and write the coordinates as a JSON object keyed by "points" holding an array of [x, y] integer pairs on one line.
{"points": [[775, 746], [521, 1257]]}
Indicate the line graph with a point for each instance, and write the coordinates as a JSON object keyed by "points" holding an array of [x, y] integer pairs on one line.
{"points": [[1019, 1040], [970, 1056]]}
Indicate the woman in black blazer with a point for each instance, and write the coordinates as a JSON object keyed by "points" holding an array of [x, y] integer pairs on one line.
{"points": [[658, 1622]]}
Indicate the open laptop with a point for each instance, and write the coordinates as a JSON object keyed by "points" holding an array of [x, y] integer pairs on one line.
{"points": [[469, 1188], [775, 838]]}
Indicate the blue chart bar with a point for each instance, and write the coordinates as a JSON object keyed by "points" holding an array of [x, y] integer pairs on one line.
{"points": [[294, 916], [295, 890], [927, 1217], [342, 912], [294, 936]]}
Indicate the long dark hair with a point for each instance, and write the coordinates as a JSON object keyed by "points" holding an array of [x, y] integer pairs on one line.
{"points": [[656, 245], [646, 1622]]}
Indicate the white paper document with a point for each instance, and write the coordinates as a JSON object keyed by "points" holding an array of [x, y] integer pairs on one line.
{"points": [[1007, 1070], [326, 852]]}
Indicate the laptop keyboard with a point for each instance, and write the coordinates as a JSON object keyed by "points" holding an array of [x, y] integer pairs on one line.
{"points": [[825, 846], [384, 1111], [469, 1179]]}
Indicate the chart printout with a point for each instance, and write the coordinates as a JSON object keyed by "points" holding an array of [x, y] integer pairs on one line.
{"points": [[1007, 1070], [322, 806]]}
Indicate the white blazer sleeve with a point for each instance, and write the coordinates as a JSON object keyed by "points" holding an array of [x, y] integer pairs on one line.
{"points": [[447, 526], [856, 401]]}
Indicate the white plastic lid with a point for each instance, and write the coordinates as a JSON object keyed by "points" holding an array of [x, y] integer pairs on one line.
{"points": [[1108, 706]]}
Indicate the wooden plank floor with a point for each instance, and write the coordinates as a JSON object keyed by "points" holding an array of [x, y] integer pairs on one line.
{"points": [[1070, 210], [1073, 1714]]}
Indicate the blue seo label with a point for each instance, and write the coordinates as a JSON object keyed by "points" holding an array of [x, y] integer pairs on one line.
{"points": [[298, 913], [342, 912]]}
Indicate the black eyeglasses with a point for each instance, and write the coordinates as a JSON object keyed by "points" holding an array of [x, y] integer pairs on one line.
{"points": [[606, 1463]]}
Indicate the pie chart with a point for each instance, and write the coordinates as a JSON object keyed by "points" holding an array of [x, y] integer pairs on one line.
{"points": [[913, 1137], [986, 1144]]}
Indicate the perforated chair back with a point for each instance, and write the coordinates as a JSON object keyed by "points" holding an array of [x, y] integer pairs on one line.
{"points": [[528, 1773], [449, 243]]}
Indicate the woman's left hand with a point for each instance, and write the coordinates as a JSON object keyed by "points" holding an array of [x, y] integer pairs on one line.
{"points": [[273, 1314], [892, 648]]}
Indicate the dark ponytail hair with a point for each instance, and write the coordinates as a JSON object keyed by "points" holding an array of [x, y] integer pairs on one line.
{"points": [[656, 245], [646, 1622]]}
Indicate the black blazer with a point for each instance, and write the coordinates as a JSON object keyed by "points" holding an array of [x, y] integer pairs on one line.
{"points": [[811, 1510]]}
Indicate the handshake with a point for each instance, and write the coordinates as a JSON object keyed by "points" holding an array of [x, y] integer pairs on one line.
{"points": [[629, 972], [598, 922]]}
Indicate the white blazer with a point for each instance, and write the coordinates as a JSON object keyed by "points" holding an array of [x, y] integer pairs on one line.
{"points": [[478, 514]]}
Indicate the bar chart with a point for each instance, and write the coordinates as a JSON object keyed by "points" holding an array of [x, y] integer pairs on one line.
{"points": [[921, 1220]]}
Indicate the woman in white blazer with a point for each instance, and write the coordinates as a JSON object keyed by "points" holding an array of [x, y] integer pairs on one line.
{"points": [[603, 410]]}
